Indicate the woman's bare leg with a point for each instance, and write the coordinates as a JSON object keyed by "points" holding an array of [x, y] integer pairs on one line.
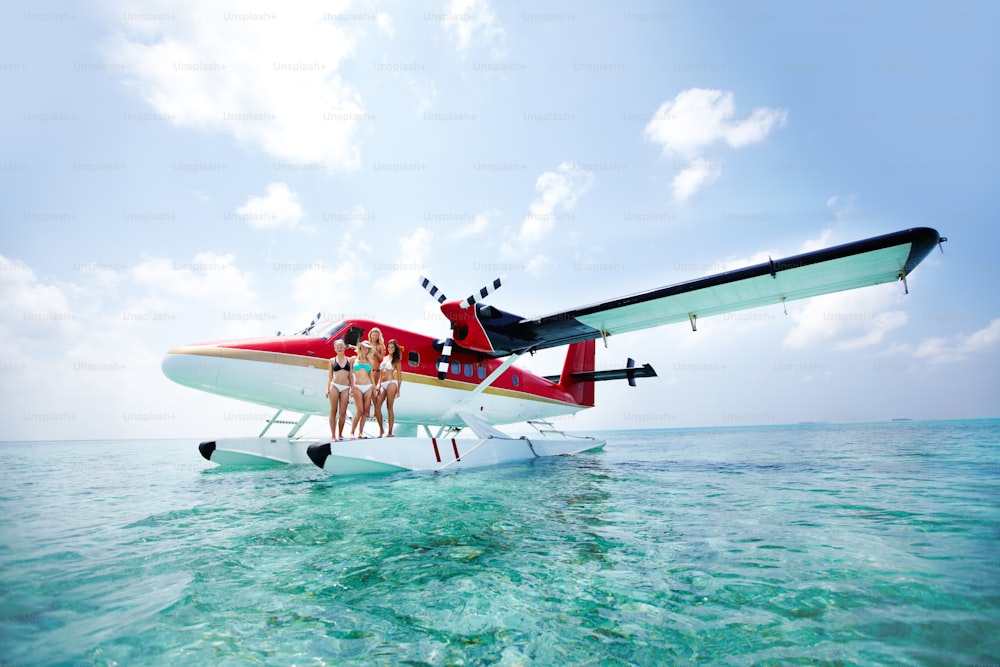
{"points": [[390, 400], [343, 399], [334, 400], [379, 400]]}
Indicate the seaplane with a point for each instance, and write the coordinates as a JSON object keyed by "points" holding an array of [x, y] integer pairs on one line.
{"points": [[460, 387]]}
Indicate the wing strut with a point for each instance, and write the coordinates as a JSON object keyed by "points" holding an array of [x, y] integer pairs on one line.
{"points": [[482, 386]]}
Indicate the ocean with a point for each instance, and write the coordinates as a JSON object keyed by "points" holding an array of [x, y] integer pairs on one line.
{"points": [[829, 544]]}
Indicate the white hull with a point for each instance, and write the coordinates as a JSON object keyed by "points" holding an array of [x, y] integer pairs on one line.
{"points": [[383, 455]]}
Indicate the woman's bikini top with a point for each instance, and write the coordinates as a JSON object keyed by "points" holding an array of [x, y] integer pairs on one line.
{"points": [[364, 365], [335, 365], [386, 364]]}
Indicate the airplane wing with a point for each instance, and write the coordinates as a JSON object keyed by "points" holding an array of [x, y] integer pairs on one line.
{"points": [[859, 264]]}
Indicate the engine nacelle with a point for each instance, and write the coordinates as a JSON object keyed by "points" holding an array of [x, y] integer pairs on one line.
{"points": [[467, 330]]}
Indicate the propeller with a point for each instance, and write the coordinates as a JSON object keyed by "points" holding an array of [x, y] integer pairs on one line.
{"points": [[308, 328], [433, 290], [445, 359], [483, 293]]}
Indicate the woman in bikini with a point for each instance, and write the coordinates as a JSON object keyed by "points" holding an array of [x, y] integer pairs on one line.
{"points": [[362, 376], [378, 346], [390, 382], [339, 387], [378, 350]]}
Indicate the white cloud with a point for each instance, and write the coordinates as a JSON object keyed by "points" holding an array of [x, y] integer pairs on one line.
{"points": [[842, 207], [981, 340], [331, 291], [384, 22], [31, 306], [699, 173], [845, 320], [960, 346], [278, 208], [698, 118], [538, 264], [558, 190], [734, 263], [558, 193], [825, 240], [268, 80], [478, 225], [211, 277], [425, 91], [470, 21], [74, 365], [402, 273], [335, 290]]}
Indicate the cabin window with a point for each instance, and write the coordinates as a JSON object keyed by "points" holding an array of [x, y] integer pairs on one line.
{"points": [[515, 380], [467, 371], [481, 372], [413, 358], [456, 368]]}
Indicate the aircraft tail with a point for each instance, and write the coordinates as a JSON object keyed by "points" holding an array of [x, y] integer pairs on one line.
{"points": [[579, 362], [578, 374]]}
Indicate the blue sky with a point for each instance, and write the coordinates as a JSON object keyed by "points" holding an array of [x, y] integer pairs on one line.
{"points": [[180, 171]]}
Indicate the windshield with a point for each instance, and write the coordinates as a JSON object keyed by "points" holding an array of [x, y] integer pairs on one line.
{"points": [[326, 329]]}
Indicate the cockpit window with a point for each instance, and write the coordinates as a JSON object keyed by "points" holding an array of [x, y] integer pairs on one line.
{"points": [[353, 336], [326, 329]]}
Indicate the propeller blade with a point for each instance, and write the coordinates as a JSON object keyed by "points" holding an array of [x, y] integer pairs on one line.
{"points": [[482, 293], [444, 359], [433, 290]]}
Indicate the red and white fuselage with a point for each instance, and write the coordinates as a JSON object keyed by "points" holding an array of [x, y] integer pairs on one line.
{"points": [[290, 373]]}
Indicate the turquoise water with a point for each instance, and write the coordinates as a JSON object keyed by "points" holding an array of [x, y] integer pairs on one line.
{"points": [[812, 544]]}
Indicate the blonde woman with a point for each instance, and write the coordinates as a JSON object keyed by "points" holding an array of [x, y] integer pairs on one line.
{"points": [[339, 387], [362, 379], [378, 351], [378, 346], [374, 338], [390, 383]]}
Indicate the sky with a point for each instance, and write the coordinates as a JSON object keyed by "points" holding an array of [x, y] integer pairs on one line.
{"points": [[177, 172]]}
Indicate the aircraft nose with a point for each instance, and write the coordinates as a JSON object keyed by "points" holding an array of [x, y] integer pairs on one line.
{"points": [[190, 370]]}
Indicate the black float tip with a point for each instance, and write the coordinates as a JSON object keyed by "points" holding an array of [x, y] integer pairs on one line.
{"points": [[206, 448], [318, 453]]}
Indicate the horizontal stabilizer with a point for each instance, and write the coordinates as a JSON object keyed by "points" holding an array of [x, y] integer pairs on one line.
{"points": [[630, 373]]}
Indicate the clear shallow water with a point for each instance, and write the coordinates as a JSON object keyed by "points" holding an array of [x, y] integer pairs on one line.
{"points": [[811, 544]]}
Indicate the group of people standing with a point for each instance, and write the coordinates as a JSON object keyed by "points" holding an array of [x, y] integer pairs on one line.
{"points": [[372, 378]]}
